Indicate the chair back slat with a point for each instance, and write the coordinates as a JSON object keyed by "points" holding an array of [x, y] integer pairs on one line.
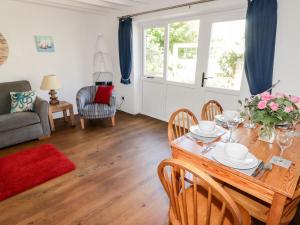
{"points": [[175, 192], [221, 218], [184, 200], [185, 214], [180, 123], [210, 110]]}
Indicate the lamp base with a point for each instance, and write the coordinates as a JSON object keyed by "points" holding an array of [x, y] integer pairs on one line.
{"points": [[53, 98]]}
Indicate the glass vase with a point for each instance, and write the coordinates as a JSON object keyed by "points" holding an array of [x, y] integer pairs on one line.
{"points": [[267, 133]]}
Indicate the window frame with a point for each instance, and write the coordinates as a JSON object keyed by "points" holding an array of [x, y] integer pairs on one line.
{"points": [[165, 23]]}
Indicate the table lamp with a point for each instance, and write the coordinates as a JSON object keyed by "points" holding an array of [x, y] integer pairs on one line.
{"points": [[51, 83]]}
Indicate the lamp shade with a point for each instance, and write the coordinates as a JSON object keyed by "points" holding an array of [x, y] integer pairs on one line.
{"points": [[50, 82]]}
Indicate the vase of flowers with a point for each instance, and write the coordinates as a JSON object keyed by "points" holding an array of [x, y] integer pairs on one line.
{"points": [[271, 110]]}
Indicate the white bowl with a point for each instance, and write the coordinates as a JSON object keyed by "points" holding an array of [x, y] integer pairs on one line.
{"points": [[207, 126], [236, 151]]}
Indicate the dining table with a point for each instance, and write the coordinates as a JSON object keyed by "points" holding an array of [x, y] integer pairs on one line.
{"points": [[274, 186]]}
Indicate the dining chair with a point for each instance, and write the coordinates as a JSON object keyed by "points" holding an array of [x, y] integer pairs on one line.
{"points": [[260, 210], [180, 123], [200, 203], [210, 110]]}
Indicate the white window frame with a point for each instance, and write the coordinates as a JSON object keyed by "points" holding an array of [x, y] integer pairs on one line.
{"points": [[165, 23]]}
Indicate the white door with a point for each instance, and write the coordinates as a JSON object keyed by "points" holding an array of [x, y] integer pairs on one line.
{"points": [[180, 53]]}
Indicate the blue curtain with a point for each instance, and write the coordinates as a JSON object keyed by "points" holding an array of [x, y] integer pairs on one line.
{"points": [[125, 49], [261, 25]]}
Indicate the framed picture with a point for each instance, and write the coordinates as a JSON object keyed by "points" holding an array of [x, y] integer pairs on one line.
{"points": [[44, 43]]}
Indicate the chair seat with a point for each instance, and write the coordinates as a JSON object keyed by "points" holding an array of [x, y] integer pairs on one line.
{"points": [[256, 207], [12, 121], [202, 209], [95, 111]]}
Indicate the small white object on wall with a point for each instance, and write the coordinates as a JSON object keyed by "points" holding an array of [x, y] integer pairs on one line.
{"points": [[103, 69]]}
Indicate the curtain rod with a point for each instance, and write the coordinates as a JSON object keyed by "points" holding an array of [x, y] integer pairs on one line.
{"points": [[166, 8]]}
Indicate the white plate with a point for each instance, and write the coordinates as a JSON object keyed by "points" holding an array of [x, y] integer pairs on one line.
{"points": [[250, 162], [217, 132], [222, 119]]}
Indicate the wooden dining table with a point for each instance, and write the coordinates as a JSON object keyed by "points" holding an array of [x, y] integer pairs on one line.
{"points": [[273, 187]]}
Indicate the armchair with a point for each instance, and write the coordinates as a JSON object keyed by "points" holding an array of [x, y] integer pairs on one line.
{"points": [[87, 109]]}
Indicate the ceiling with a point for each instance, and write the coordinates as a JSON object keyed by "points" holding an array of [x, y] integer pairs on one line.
{"points": [[118, 7]]}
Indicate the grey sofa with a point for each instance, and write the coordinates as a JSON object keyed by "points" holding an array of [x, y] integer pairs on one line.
{"points": [[89, 110], [21, 126]]}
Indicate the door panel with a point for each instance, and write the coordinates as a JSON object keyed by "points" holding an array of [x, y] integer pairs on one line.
{"points": [[153, 101], [183, 97]]}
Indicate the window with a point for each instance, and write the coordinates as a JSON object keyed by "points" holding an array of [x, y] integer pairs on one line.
{"points": [[182, 51], [154, 39], [226, 55], [181, 57]]}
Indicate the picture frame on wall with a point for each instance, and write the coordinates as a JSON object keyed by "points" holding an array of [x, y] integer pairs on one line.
{"points": [[44, 43]]}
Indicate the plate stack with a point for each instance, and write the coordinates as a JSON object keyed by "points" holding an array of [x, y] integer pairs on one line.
{"points": [[236, 156]]}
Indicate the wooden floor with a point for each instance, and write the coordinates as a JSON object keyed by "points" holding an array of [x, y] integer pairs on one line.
{"points": [[115, 182]]}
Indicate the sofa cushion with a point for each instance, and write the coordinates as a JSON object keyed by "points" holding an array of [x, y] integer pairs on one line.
{"points": [[18, 120], [6, 88]]}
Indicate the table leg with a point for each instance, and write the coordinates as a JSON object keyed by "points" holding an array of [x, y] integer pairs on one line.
{"points": [[51, 121], [276, 209], [72, 116], [65, 115]]}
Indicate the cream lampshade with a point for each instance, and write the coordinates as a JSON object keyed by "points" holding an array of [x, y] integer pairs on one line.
{"points": [[51, 83]]}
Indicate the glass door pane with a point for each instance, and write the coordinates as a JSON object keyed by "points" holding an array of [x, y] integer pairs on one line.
{"points": [[182, 51], [154, 41], [226, 55]]}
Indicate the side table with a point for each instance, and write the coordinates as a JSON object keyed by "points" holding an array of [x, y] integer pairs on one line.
{"points": [[62, 106]]}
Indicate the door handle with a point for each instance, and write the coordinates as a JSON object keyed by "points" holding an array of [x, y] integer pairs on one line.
{"points": [[204, 78]]}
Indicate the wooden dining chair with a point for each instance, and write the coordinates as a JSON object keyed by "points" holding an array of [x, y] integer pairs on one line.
{"points": [[201, 203], [210, 110], [260, 210], [180, 123]]}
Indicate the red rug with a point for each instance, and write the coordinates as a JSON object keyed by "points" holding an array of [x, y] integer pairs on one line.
{"points": [[28, 168]]}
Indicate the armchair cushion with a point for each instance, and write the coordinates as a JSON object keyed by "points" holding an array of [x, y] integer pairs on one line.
{"points": [[103, 94]]}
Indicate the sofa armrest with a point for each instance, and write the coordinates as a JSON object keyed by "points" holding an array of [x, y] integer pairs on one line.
{"points": [[42, 109], [113, 100]]}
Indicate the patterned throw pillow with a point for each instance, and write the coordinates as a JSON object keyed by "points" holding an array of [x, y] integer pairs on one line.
{"points": [[22, 101]]}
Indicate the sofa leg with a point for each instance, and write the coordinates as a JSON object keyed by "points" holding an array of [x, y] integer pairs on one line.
{"points": [[113, 121], [82, 123], [44, 138]]}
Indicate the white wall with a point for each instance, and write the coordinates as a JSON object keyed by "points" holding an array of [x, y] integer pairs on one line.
{"points": [[74, 35]]}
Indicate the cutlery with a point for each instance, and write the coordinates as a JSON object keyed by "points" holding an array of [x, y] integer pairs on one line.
{"points": [[208, 148], [262, 167]]}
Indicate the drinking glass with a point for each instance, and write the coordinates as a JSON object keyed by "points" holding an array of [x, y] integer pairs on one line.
{"points": [[284, 139], [232, 124]]}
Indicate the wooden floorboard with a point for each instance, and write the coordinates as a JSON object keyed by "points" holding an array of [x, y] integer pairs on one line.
{"points": [[115, 181]]}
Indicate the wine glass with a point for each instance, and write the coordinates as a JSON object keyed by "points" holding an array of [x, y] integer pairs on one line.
{"points": [[284, 139], [232, 119]]}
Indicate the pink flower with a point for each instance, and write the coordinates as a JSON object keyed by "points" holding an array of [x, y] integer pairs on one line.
{"points": [[289, 109], [266, 96], [279, 95], [262, 104], [274, 106], [295, 99]]}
